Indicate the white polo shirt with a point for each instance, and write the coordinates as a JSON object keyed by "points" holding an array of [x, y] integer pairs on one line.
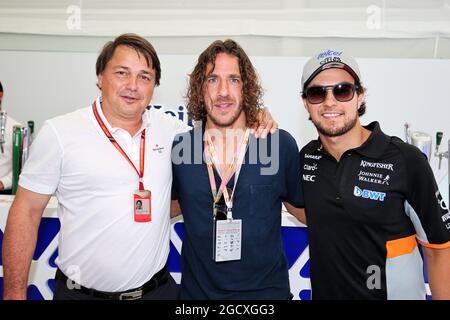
{"points": [[100, 244], [6, 157]]}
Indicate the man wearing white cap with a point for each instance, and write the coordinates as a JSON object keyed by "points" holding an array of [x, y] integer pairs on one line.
{"points": [[369, 197]]}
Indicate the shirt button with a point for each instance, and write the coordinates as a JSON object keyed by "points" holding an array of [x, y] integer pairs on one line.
{"points": [[338, 198], [349, 154]]}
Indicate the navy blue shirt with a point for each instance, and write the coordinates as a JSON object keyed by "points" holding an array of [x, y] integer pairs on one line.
{"points": [[268, 177]]}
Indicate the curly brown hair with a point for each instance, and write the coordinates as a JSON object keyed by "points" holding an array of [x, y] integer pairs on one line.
{"points": [[251, 91]]}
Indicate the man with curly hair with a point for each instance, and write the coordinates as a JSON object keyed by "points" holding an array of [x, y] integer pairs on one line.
{"points": [[230, 186]]}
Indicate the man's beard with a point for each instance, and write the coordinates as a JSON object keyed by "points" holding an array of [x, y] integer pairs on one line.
{"points": [[336, 132], [227, 122]]}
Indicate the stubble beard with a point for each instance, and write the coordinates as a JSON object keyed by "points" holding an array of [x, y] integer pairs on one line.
{"points": [[226, 123], [336, 131]]}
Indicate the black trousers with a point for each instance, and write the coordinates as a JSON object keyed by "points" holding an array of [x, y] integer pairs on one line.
{"points": [[167, 291]]}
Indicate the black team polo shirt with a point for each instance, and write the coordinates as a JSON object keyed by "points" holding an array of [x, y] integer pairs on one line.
{"points": [[364, 215]]}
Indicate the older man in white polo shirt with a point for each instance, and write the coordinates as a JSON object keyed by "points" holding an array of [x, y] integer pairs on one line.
{"points": [[100, 162]]}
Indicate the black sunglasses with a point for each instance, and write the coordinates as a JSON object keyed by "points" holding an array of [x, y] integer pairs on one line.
{"points": [[342, 92]]}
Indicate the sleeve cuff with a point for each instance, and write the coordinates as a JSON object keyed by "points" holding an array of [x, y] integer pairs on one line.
{"points": [[435, 246], [7, 182]]}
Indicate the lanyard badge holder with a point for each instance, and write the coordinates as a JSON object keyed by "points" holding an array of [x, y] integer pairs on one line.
{"points": [[142, 199], [142, 206], [227, 232]]}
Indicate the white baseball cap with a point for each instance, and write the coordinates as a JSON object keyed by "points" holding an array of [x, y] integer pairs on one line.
{"points": [[329, 59]]}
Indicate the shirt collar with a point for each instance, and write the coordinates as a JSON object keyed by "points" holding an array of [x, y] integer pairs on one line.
{"points": [[376, 144], [98, 101]]}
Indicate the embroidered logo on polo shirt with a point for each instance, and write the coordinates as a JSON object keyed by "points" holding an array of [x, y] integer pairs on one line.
{"points": [[369, 194], [312, 156], [387, 166], [446, 217], [309, 177], [441, 201], [308, 167], [158, 148], [373, 177]]}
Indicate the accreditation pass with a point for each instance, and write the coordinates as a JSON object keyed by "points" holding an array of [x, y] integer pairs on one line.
{"points": [[228, 240]]}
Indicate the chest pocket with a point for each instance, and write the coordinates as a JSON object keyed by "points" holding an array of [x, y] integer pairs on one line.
{"points": [[262, 199]]}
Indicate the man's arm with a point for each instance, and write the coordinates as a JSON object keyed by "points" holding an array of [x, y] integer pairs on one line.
{"points": [[299, 213], [20, 241], [438, 266], [175, 209]]}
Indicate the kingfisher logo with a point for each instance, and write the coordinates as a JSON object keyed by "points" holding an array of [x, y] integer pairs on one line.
{"points": [[387, 166], [369, 194]]}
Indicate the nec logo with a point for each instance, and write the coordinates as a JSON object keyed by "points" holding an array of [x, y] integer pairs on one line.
{"points": [[309, 177], [369, 194]]}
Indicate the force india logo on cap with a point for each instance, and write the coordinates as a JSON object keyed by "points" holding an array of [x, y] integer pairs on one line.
{"points": [[328, 53]]}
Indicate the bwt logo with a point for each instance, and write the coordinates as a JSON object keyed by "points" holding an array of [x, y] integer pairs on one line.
{"points": [[369, 194]]}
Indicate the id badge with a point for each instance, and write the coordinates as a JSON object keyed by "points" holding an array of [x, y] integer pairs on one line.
{"points": [[142, 206], [227, 240]]}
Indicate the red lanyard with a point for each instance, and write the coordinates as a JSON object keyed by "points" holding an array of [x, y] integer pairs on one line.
{"points": [[234, 167], [118, 147]]}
